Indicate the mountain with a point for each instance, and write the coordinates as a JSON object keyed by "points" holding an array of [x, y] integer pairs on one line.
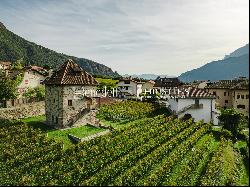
{"points": [[239, 52], [14, 47], [228, 68], [147, 76]]}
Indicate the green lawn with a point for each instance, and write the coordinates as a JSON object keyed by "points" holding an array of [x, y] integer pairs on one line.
{"points": [[80, 132], [61, 135], [38, 122]]}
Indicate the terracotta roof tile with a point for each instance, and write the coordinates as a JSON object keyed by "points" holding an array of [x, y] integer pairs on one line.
{"points": [[71, 73], [192, 92], [224, 84], [244, 85]]}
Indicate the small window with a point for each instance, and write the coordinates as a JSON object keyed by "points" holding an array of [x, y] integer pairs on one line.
{"points": [[228, 93], [126, 88], [238, 96], [54, 100], [225, 93], [214, 93], [69, 102], [52, 118], [226, 101], [241, 106], [247, 96], [196, 101], [242, 96]]}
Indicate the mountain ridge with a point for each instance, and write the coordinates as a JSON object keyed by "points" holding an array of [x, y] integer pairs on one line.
{"points": [[239, 52], [14, 47], [224, 69]]}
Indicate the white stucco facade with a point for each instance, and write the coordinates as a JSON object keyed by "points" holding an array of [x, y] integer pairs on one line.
{"points": [[31, 79], [204, 110], [131, 87]]}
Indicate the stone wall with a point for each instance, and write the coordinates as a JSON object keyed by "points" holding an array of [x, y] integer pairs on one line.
{"points": [[63, 104], [28, 110]]}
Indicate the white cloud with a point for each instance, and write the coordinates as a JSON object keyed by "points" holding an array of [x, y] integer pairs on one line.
{"points": [[150, 36]]}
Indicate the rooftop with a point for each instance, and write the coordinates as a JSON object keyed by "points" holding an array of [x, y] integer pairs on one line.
{"points": [[70, 73], [192, 92], [167, 82], [229, 84]]}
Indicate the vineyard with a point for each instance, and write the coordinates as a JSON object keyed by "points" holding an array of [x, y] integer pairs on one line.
{"points": [[128, 110], [153, 151]]}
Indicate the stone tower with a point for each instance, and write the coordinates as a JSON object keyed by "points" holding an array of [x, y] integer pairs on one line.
{"points": [[64, 101]]}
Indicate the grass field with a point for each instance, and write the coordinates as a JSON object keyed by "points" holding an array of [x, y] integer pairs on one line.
{"points": [[61, 135]]}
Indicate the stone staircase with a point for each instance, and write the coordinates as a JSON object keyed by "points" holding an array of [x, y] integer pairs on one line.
{"points": [[90, 119]]}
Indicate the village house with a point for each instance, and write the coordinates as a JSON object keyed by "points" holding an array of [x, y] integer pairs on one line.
{"points": [[65, 98], [196, 102], [148, 85], [166, 83], [5, 65], [240, 100], [231, 92], [127, 87], [33, 77]]}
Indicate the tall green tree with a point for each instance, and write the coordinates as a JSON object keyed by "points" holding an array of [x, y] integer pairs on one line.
{"points": [[232, 121], [8, 89]]}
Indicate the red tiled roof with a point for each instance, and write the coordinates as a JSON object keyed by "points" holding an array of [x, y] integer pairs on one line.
{"points": [[244, 85], [71, 73], [192, 92], [152, 82], [225, 84], [37, 69]]}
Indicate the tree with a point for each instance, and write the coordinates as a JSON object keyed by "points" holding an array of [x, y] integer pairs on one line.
{"points": [[40, 92], [8, 89], [17, 65], [32, 93], [232, 121]]}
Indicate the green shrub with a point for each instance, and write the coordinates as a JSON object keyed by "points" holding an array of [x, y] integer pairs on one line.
{"points": [[226, 134]]}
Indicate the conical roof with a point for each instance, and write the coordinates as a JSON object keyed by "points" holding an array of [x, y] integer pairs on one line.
{"points": [[70, 73]]}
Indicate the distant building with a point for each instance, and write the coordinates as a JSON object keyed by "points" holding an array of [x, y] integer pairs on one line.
{"points": [[127, 87], [231, 94], [197, 102], [149, 85], [33, 77], [5, 65], [240, 97], [198, 84], [65, 102], [166, 83]]}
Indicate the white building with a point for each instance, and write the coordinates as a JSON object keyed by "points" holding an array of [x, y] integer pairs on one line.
{"points": [[128, 87], [197, 102], [33, 77], [5, 65]]}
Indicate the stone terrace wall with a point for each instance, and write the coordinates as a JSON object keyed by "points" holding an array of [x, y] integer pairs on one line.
{"points": [[28, 110], [108, 100]]}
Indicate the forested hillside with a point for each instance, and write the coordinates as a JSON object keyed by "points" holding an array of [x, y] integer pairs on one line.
{"points": [[14, 47]]}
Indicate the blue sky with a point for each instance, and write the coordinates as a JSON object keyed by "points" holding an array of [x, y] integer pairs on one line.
{"points": [[133, 36]]}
